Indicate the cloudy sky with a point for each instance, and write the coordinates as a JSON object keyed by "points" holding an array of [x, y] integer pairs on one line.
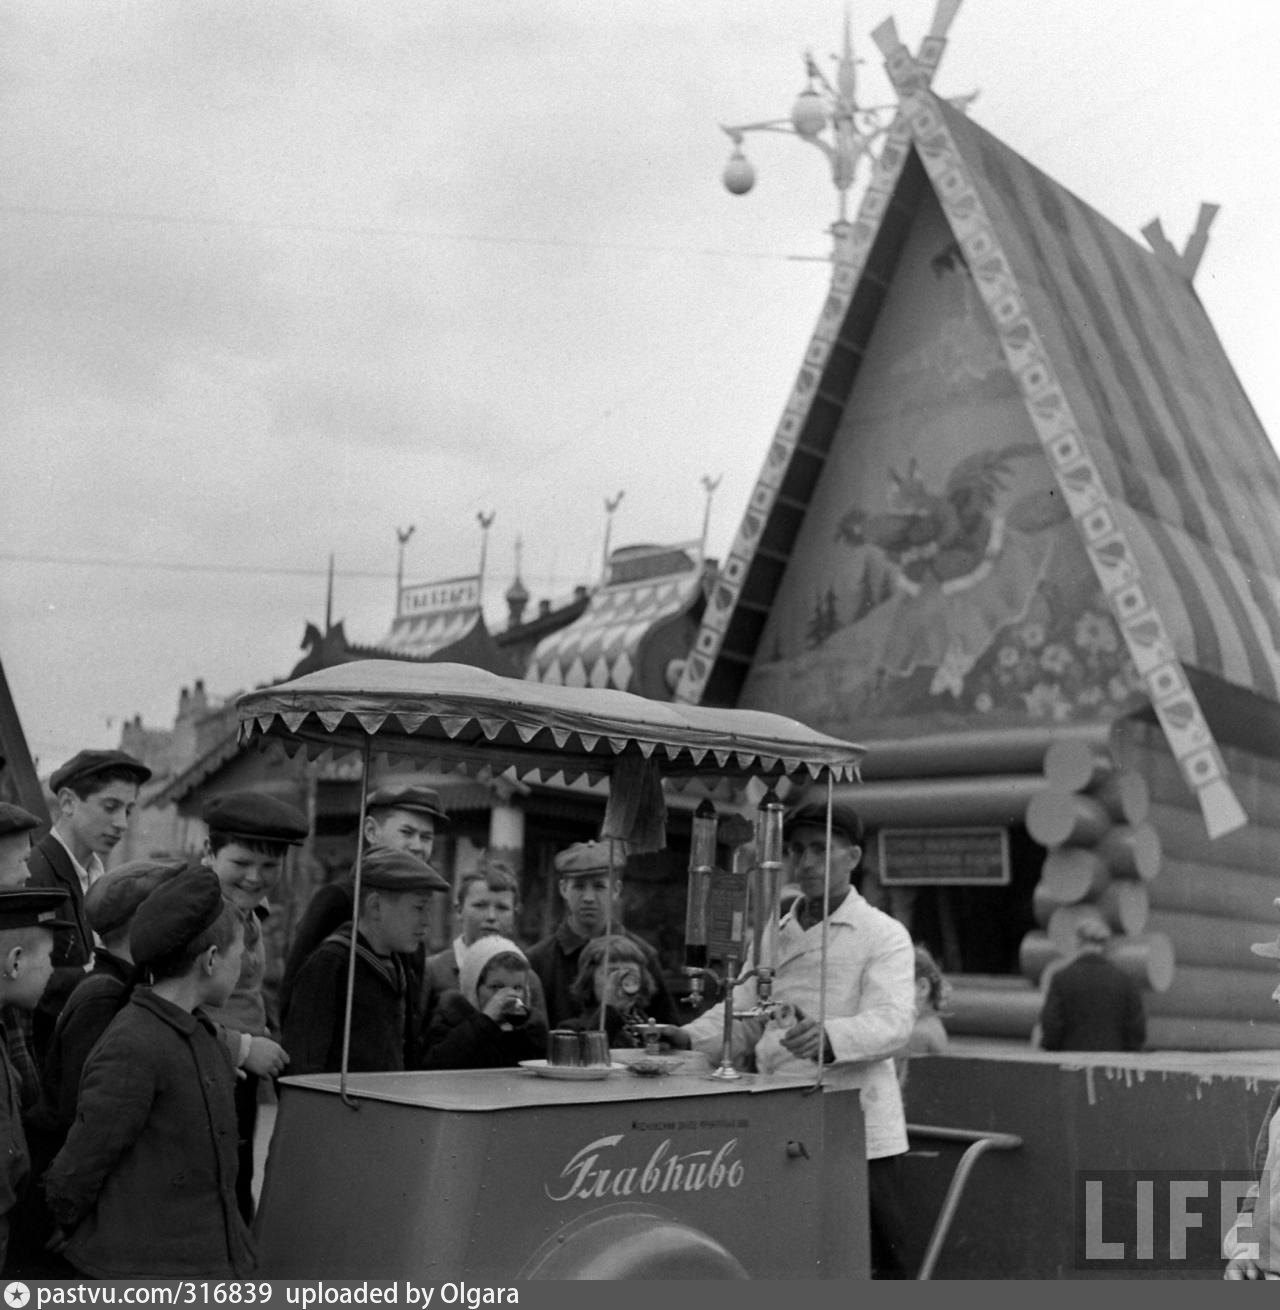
{"points": [[280, 278]]}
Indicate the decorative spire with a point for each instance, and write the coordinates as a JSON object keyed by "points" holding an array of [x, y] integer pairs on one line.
{"points": [[709, 485], [486, 522], [402, 536], [610, 506], [517, 593]]}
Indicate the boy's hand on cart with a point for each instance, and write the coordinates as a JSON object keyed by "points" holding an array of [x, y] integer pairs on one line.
{"points": [[266, 1058]]}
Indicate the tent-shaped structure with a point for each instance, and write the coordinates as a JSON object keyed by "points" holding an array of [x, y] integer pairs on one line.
{"points": [[1018, 497], [637, 625]]}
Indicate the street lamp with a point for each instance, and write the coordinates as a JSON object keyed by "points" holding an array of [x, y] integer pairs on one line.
{"points": [[826, 116]]}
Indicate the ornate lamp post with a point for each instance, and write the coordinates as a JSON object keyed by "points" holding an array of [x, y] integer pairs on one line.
{"points": [[825, 115]]}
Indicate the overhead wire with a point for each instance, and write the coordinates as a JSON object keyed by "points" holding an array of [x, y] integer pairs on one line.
{"points": [[377, 230]]}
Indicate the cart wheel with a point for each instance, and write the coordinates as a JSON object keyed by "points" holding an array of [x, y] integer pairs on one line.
{"points": [[631, 1243]]}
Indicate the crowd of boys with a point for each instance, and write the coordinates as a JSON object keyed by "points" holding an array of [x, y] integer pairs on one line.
{"points": [[137, 1029]]}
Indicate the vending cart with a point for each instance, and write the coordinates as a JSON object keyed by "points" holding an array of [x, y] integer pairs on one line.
{"points": [[664, 1168]]}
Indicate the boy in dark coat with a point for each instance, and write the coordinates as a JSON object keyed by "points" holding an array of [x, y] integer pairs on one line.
{"points": [[96, 792], [402, 818], [146, 1182], [395, 893], [110, 905], [97, 998], [590, 884], [28, 921]]}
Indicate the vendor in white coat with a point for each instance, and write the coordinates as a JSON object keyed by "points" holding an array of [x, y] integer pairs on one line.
{"points": [[870, 1005]]}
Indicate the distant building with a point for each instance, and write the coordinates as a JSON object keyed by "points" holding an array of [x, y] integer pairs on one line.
{"points": [[200, 726]]}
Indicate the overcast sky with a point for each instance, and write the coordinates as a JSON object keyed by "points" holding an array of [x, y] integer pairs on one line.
{"points": [[279, 278]]}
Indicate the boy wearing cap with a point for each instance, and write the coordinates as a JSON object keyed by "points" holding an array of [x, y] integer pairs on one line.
{"points": [[110, 905], [591, 887], [16, 826], [96, 794], [395, 897], [28, 921], [98, 997], [249, 837], [401, 818], [145, 1185], [1090, 1004], [868, 1004]]}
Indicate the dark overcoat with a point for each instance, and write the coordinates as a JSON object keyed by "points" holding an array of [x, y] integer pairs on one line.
{"points": [[1092, 1006], [384, 1011], [146, 1182], [50, 866]]}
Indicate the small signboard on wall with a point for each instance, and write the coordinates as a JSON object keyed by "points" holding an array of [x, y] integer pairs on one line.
{"points": [[944, 857]]}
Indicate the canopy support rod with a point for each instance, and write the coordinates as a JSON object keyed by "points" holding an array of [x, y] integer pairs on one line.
{"points": [[347, 1100]]}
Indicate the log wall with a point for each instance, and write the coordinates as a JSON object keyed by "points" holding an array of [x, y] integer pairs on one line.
{"points": [[1126, 843]]}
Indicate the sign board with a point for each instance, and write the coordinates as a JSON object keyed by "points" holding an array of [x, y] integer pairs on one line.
{"points": [[440, 597], [944, 857]]}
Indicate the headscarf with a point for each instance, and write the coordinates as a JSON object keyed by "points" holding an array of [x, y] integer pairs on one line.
{"points": [[477, 956]]}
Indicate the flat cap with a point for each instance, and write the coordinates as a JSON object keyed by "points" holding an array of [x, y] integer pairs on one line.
{"points": [[586, 857], [419, 799], [35, 907], [399, 871], [255, 817], [844, 819], [13, 818], [175, 914], [113, 900], [85, 764]]}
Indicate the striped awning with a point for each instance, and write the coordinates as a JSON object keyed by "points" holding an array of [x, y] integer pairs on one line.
{"points": [[1193, 479], [601, 648]]}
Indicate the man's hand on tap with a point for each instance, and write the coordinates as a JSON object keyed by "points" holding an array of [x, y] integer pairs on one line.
{"points": [[806, 1040]]}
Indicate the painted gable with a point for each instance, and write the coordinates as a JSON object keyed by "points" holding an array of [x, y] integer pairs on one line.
{"points": [[937, 577], [1193, 478], [979, 589]]}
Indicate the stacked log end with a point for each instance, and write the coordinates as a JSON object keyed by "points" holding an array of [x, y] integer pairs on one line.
{"points": [[1214, 899], [1102, 856]]}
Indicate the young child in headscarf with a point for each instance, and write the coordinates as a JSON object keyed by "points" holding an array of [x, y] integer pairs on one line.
{"points": [[488, 1022]]}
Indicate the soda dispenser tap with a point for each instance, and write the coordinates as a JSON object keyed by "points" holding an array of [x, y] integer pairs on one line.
{"points": [[702, 859]]}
